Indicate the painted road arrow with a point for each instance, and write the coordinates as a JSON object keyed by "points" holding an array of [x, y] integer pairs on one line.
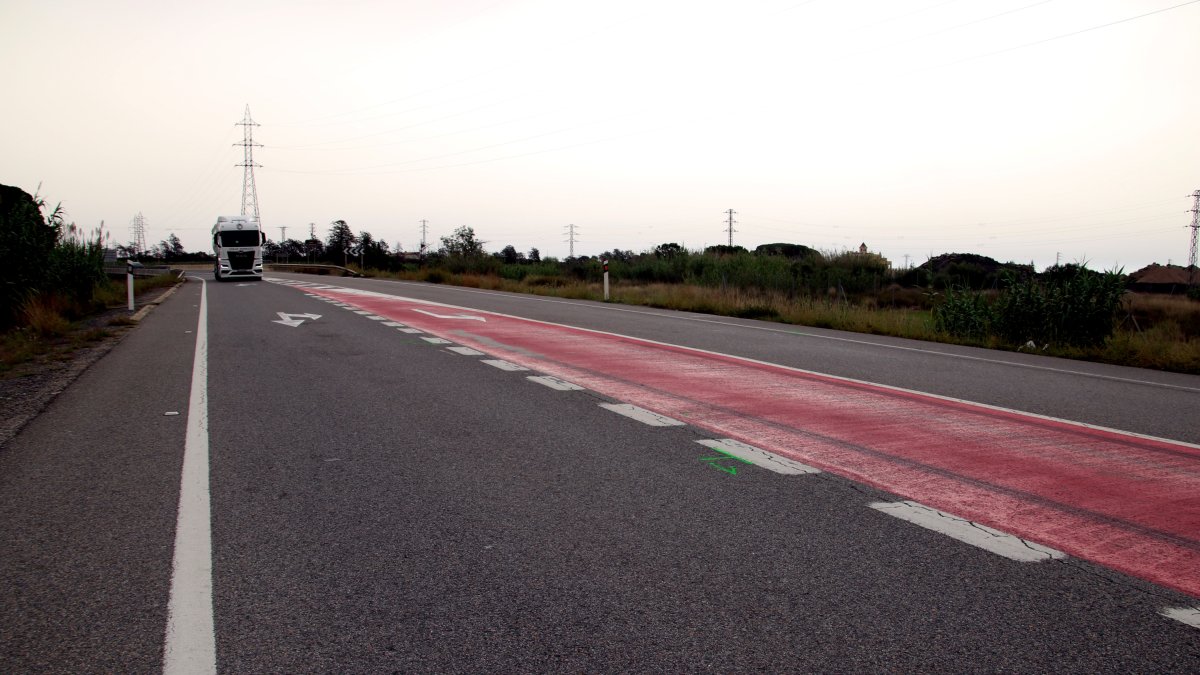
{"points": [[451, 316], [291, 320]]}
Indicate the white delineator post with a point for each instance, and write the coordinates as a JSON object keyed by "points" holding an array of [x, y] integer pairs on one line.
{"points": [[129, 284], [605, 262]]}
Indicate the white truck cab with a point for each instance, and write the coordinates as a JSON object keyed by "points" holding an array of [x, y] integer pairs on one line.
{"points": [[237, 245]]}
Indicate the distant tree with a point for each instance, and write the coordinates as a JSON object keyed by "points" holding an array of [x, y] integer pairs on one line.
{"points": [[725, 249], [339, 242], [292, 249], [509, 255], [173, 248], [374, 252], [535, 256], [617, 255], [668, 251], [314, 249], [463, 244]]}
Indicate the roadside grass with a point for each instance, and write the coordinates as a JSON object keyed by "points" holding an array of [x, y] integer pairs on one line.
{"points": [[1158, 332], [114, 294], [53, 326]]}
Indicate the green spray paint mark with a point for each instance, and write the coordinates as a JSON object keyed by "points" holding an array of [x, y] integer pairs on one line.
{"points": [[715, 462]]}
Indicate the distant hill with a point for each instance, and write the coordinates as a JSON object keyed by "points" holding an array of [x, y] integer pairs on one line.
{"points": [[960, 270]]}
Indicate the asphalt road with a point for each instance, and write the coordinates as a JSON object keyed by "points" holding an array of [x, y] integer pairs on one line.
{"points": [[381, 503]]}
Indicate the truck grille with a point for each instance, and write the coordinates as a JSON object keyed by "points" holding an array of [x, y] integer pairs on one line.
{"points": [[241, 260]]}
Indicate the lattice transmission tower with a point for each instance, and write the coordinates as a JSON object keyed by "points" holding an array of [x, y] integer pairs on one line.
{"points": [[1195, 238], [137, 231], [571, 232], [249, 193]]}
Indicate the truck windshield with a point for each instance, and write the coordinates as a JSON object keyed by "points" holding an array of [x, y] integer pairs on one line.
{"points": [[239, 238]]}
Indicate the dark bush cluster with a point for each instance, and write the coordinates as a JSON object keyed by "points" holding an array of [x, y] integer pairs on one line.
{"points": [[42, 255]]}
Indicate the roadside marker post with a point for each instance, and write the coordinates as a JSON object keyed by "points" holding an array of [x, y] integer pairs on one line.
{"points": [[129, 284], [605, 262]]}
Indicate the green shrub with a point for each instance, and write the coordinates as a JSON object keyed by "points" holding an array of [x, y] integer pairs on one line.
{"points": [[963, 314], [1068, 305]]}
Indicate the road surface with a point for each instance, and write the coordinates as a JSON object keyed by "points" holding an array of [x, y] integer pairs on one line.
{"points": [[316, 474]]}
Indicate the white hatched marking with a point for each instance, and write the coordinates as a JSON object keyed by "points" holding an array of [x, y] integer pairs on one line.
{"points": [[759, 457], [982, 536], [555, 383], [504, 365], [436, 341], [642, 415], [465, 351], [1187, 615]]}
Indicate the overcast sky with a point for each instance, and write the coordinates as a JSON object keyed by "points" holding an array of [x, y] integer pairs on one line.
{"points": [[1018, 129]]}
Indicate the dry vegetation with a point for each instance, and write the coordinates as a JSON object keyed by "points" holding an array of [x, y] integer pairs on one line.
{"points": [[1159, 332]]}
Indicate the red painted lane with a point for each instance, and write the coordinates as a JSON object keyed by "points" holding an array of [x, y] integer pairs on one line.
{"points": [[1120, 500]]}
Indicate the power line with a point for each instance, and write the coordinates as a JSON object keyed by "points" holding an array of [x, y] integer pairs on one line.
{"points": [[1067, 35]]}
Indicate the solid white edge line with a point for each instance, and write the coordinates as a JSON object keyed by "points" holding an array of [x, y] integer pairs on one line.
{"points": [[190, 641], [839, 378], [642, 415], [759, 457], [1185, 615], [968, 532]]}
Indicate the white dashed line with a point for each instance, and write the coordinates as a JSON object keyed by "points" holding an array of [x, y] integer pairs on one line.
{"points": [[504, 365], [1186, 615], [373, 317], [436, 341], [759, 457], [465, 351], [362, 312], [642, 415], [995, 541], [554, 383], [393, 324], [410, 331]]}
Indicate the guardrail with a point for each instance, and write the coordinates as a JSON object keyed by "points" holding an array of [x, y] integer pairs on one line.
{"points": [[312, 268], [122, 270]]}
